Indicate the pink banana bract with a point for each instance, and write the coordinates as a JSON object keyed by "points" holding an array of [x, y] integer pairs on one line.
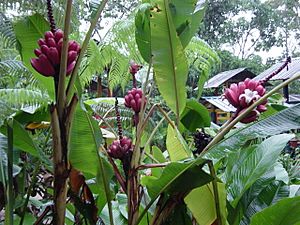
{"points": [[244, 94]]}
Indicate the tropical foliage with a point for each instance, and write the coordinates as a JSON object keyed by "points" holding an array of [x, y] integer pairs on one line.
{"points": [[68, 158]]}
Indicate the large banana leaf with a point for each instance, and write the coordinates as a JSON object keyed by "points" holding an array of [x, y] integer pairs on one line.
{"points": [[142, 31], [21, 138], [85, 142], [118, 218], [284, 212], [187, 16], [202, 204], [169, 61], [174, 176], [235, 215], [194, 116], [248, 165], [28, 31], [285, 120], [179, 216], [268, 196], [176, 145], [3, 161]]}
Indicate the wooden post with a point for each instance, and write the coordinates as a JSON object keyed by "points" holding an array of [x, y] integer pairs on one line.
{"points": [[286, 93]]}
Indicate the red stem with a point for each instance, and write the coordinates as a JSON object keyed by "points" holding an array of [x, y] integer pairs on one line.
{"points": [[285, 64]]}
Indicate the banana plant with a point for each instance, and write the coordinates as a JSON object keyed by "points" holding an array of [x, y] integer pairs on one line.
{"points": [[233, 178]]}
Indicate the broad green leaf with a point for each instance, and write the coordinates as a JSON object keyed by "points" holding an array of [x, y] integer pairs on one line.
{"points": [[100, 190], [268, 196], [248, 165], [37, 115], [169, 61], [142, 31], [177, 173], [294, 190], [187, 16], [176, 145], [85, 142], [194, 116], [235, 215], [179, 216], [3, 160], [284, 212], [21, 138], [84, 153], [118, 218], [28, 31], [201, 202], [158, 155], [285, 120], [122, 200], [281, 173]]}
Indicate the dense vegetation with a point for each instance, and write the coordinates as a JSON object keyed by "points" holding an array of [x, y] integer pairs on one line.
{"points": [[108, 129]]}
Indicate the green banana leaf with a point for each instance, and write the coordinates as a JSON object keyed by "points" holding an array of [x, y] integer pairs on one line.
{"points": [[201, 203], [284, 212], [85, 142], [85, 154], [268, 196], [28, 31], [176, 145], [283, 121], [174, 176], [187, 16], [21, 138], [194, 116], [246, 166], [142, 31], [169, 60]]}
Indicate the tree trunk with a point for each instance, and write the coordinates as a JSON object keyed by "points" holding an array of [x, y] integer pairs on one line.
{"points": [[99, 87]]}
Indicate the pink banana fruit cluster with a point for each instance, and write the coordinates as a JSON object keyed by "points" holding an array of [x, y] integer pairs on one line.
{"points": [[119, 149], [133, 99], [244, 94], [48, 54]]}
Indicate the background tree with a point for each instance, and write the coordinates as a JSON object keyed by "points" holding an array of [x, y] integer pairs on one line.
{"points": [[250, 26]]}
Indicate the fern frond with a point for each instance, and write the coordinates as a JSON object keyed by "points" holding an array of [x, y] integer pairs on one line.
{"points": [[100, 58], [202, 56], [118, 74], [5, 111], [15, 74], [18, 98], [122, 37], [7, 32]]}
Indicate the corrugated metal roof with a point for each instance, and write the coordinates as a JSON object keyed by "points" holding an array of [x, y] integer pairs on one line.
{"points": [[221, 103], [294, 68], [220, 78], [294, 98]]}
